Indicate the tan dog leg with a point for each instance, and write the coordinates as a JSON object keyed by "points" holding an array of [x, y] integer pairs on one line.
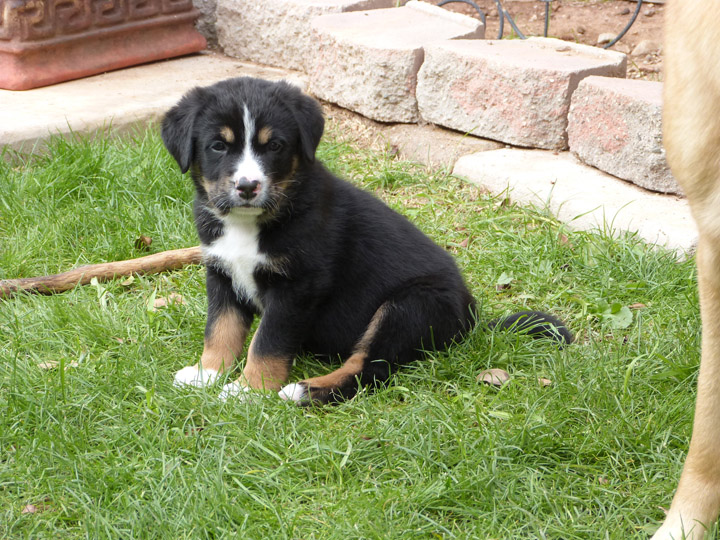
{"points": [[697, 500], [223, 344], [691, 123], [266, 373]]}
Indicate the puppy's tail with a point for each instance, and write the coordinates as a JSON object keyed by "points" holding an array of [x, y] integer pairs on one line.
{"points": [[536, 324]]}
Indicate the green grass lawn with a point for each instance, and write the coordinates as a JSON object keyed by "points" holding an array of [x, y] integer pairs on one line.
{"points": [[103, 446]]}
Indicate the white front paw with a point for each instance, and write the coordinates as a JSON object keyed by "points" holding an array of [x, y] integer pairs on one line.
{"points": [[293, 392], [234, 389], [192, 376]]}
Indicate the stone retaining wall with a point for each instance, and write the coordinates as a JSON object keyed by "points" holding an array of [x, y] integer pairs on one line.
{"points": [[421, 63]]}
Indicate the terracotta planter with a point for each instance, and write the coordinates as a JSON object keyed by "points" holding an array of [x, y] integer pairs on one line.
{"points": [[44, 42]]}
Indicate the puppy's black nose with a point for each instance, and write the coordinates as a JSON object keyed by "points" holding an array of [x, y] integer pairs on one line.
{"points": [[246, 188]]}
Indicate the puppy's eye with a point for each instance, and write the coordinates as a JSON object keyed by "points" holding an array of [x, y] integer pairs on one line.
{"points": [[275, 146], [218, 146]]}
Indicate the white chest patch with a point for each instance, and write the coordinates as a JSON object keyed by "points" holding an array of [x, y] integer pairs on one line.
{"points": [[237, 252]]}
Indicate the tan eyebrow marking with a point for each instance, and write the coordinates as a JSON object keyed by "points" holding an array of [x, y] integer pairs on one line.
{"points": [[227, 134], [264, 135]]}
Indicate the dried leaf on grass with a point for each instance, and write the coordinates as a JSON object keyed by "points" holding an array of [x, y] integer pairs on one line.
{"points": [[143, 242], [504, 281], [169, 300], [29, 509], [35, 508], [495, 376], [52, 364], [503, 203], [123, 341]]}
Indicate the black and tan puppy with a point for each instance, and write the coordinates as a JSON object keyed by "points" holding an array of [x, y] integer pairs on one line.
{"points": [[329, 268]]}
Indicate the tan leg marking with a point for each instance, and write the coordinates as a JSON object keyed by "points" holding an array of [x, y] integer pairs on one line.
{"points": [[363, 345], [352, 367], [264, 372], [225, 342]]}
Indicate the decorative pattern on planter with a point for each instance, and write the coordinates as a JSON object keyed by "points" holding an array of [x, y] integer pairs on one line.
{"points": [[48, 41]]}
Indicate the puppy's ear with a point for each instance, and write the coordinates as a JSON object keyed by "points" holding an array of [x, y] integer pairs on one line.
{"points": [[177, 128], [311, 124]]}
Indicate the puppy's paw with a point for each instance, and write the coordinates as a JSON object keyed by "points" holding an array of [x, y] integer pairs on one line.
{"points": [[234, 390], [192, 376], [296, 392]]}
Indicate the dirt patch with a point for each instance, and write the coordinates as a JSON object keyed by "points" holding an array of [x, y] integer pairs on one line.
{"points": [[585, 22]]}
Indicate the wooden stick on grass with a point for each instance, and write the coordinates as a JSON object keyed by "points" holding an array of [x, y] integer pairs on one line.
{"points": [[151, 264]]}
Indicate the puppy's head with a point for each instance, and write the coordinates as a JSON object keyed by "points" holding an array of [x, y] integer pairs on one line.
{"points": [[244, 140]]}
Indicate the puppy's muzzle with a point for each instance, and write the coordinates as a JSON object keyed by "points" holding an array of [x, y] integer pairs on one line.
{"points": [[247, 189]]}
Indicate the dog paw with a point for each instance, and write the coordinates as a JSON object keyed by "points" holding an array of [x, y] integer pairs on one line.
{"points": [[192, 376], [296, 392], [234, 390], [675, 529]]}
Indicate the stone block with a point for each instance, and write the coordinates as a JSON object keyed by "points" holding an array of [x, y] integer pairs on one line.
{"points": [[368, 61], [582, 196], [277, 32], [207, 22], [616, 126], [514, 91]]}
